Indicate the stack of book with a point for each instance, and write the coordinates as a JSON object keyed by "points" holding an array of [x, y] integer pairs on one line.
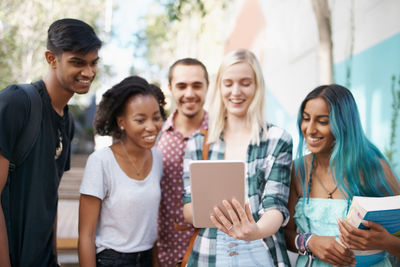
{"points": [[382, 210]]}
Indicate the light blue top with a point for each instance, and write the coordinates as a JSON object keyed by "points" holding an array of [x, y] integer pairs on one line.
{"points": [[319, 216]]}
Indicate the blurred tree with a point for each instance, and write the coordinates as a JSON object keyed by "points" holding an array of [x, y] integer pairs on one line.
{"points": [[23, 33], [177, 9], [176, 29], [325, 51], [391, 150]]}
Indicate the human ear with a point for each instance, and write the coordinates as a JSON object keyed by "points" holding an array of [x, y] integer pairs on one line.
{"points": [[51, 58], [120, 123]]}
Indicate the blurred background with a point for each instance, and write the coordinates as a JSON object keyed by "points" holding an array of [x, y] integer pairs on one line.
{"points": [[299, 43]]}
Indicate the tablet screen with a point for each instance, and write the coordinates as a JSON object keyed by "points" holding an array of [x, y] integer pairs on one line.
{"points": [[212, 181]]}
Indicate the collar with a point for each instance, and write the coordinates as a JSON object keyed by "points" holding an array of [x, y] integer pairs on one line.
{"points": [[169, 123]]}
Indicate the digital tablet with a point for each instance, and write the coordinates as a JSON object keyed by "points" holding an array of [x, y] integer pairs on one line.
{"points": [[212, 181]]}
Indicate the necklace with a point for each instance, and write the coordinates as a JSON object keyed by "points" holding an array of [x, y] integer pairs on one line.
{"points": [[327, 191], [319, 181], [129, 158], [59, 147]]}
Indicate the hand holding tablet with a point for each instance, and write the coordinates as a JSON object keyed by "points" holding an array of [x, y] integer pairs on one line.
{"points": [[212, 182]]}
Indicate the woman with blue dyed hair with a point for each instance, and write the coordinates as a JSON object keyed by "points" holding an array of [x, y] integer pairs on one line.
{"points": [[342, 163]]}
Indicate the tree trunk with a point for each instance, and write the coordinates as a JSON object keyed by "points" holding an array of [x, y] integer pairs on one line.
{"points": [[325, 50]]}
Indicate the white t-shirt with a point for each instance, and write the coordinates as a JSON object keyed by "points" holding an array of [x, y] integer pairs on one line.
{"points": [[129, 208]]}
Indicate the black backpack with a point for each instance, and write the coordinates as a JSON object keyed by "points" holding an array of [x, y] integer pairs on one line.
{"points": [[28, 138], [24, 145], [26, 142]]}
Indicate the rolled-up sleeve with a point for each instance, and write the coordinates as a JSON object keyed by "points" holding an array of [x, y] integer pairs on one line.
{"points": [[276, 191], [192, 152]]}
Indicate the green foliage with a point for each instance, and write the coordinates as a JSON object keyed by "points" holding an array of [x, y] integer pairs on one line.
{"points": [[152, 37], [395, 89], [175, 30], [23, 33], [177, 10]]}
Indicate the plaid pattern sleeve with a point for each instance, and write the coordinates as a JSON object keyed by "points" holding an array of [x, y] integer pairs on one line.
{"points": [[267, 178], [277, 172], [192, 152]]}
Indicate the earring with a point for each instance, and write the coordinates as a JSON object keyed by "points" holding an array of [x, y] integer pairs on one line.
{"points": [[122, 128]]}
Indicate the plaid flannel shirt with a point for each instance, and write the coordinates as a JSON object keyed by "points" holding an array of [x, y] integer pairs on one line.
{"points": [[267, 179]]}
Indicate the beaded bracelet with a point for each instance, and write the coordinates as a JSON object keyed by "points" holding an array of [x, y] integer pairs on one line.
{"points": [[301, 242]]}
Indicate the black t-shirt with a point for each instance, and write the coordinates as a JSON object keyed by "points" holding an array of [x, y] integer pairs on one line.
{"points": [[33, 186]]}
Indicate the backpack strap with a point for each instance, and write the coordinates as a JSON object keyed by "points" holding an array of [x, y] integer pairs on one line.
{"points": [[31, 130], [28, 138]]}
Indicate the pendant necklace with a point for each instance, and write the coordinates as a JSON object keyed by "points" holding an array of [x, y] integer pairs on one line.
{"points": [[59, 147], [330, 193], [327, 191], [129, 158]]}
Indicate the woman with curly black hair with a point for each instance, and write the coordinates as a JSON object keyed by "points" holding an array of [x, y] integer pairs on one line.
{"points": [[120, 190]]}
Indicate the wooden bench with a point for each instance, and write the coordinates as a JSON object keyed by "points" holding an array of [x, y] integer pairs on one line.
{"points": [[67, 243]]}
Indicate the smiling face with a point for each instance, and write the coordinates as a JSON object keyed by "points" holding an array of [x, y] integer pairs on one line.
{"points": [[238, 87], [315, 126], [74, 71], [188, 87], [141, 121]]}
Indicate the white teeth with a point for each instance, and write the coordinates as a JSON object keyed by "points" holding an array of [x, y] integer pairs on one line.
{"points": [[151, 138], [84, 81], [313, 139], [236, 101]]}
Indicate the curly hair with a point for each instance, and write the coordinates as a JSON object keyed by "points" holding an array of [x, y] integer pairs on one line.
{"points": [[113, 103]]}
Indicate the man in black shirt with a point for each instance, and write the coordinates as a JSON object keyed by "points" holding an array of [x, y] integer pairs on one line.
{"points": [[29, 194]]}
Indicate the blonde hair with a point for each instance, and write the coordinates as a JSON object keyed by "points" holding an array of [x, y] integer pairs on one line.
{"points": [[255, 114]]}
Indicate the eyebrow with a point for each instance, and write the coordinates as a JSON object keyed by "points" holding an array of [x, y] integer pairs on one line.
{"points": [[318, 116], [197, 82], [76, 58], [81, 59], [185, 83], [144, 115], [180, 83]]}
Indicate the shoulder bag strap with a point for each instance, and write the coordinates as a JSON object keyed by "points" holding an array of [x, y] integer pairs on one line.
{"points": [[204, 154], [206, 147]]}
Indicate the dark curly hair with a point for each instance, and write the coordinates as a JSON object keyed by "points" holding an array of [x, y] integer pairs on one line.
{"points": [[113, 103]]}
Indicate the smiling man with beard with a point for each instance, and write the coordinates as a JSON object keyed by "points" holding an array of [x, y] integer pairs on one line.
{"points": [[28, 189], [188, 83]]}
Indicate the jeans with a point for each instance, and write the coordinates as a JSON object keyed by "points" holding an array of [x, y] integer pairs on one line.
{"points": [[239, 253], [112, 258]]}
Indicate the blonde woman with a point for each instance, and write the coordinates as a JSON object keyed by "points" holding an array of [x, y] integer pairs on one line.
{"points": [[250, 235]]}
